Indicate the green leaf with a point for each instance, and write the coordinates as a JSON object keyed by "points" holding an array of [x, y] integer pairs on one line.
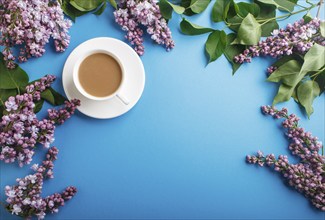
{"points": [[314, 59], [294, 94], [189, 28], [322, 28], [38, 105], [166, 9], [2, 109], [198, 6], [307, 17], [70, 11], [245, 8], [177, 8], [231, 51], [234, 23], [86, 6], [284, 94], [59, 99], [48, 96], [266, 11], [101, 9], [5, 94], [286, 73], [231, 9], [216, 45], [53, 97], [186, 4], [320, 79], [285, 59], [219, 12], [249, 32], [286, 5], [268, 27], [283, 5], [307, 92], [13, 78], [113, 3]]}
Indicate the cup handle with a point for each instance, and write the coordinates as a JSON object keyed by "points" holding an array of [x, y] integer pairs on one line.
{"points": [[124, 100]]}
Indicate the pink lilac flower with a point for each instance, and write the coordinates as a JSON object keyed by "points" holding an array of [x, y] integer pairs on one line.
{"points": [[28, 25], [21, 130], [299, 37], [307, 176], [134, 15], [24, 199]]}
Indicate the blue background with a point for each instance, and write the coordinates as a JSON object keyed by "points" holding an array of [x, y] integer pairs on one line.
{"points": [[180, 152]]}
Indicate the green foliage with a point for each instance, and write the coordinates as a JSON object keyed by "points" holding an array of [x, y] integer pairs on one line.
{"points": [[300, 77], [77, 8], [189, 28], [88, 5], [166, 9], [283, 5], [320, 79], [307, 92], [101, 9], [249, 32], [284, 94], [198, 6], [246, 8], [216, 45], [5, 94], [233, 50], [12, 79], [286, 73], [14, 82], [219, 12], [249, 21], [322, 28]]}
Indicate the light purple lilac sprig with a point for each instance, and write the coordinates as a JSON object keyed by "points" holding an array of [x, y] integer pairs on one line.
{"points": [[307, 176], [21, 130], [28, 25], [25, 200], [298, 37], [134, 15]]}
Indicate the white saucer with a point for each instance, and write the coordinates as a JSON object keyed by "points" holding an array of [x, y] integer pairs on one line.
{"points": [[132, 88]]}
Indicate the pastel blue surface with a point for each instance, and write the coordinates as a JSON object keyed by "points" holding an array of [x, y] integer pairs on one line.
{"points": [[180, 152]]}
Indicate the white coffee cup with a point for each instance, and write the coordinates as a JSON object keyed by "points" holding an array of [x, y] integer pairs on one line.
{"points": [[118, 93]]}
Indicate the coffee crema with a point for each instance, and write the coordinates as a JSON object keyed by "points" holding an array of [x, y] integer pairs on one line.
{"points": [[100, 74]]}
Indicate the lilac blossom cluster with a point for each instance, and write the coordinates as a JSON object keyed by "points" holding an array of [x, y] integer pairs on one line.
{"points": [[133, 15], [20, 130], [307, 176], [298, 37], [30, 24], [24, 199]]}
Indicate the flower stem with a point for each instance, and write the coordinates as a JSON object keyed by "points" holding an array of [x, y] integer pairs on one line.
{"points": [[320, 3], [318, 72], [264, 21], [291, 13]]}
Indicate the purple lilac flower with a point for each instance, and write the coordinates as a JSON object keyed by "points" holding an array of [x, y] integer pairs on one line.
{"points": [[21, 130], [133, 15], [29, 24], [299, 37], [307, 176], [24, 199]]}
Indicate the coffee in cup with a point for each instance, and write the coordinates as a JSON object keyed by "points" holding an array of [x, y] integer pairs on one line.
{"points": [[99, 76]]}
